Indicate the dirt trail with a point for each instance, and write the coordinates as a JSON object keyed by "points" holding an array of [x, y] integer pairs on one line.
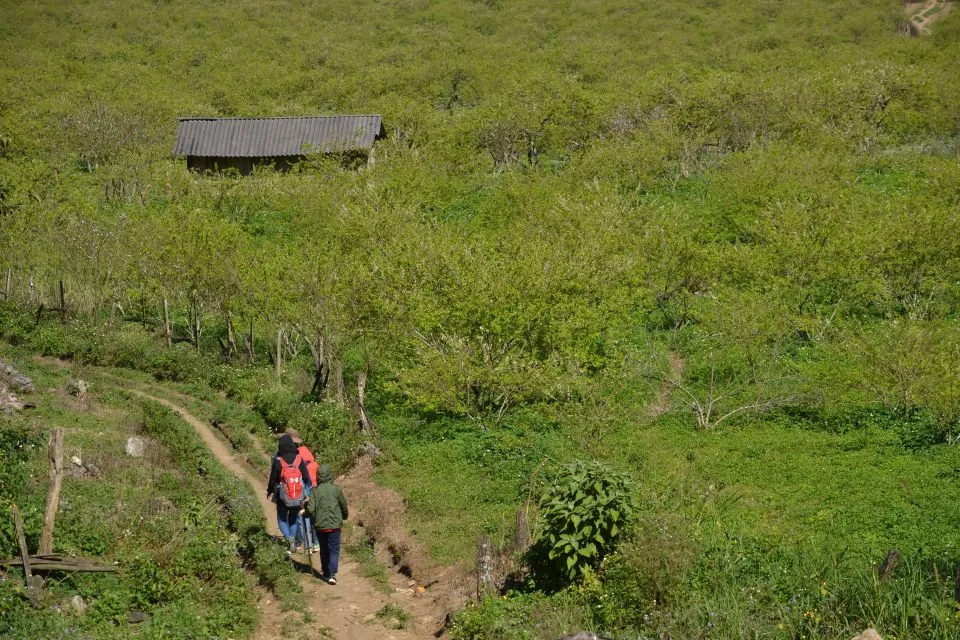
{"points": [[924, 13], [343, 612]]}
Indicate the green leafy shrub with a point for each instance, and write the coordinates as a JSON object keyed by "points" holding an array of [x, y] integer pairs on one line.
{"points": [[277, 406], [584, 513]]}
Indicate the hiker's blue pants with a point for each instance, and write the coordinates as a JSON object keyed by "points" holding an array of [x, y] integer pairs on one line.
{"points": [[329, 551], [288, 519]]}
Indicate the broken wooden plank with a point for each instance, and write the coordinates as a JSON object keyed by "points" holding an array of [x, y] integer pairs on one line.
{"points": [[60, 563]]}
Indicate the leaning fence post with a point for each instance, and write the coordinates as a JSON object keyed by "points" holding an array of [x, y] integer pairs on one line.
{"points": [[484, 567]]}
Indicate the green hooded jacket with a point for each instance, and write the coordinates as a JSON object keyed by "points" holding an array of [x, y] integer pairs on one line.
{"points": [[327, 507]]}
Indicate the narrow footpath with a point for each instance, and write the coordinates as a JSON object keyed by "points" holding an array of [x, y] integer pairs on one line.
{"points": [[347, 611]]}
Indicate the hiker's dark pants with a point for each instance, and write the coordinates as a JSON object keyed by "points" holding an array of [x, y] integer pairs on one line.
{"points": [[329, 551]]}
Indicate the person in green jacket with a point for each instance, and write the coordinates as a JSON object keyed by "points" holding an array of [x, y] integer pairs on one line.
{"points": [[328, 509]]}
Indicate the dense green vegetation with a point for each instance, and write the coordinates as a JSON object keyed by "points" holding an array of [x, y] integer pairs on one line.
{"points": [[711, 243]]}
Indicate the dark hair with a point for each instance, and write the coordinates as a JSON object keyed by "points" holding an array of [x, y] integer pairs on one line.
{"points": [[286, 446]]}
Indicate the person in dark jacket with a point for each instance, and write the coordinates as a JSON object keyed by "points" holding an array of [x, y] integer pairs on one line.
{"points": [[328, 509], [287, 517]]}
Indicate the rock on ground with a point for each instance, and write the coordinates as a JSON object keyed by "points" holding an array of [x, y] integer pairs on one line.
{"points": [[136, 447], [868, 634], [14, 379], [77, 387]]}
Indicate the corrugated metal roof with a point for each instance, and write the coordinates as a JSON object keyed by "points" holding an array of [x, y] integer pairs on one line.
{"points": [[275, 137]]}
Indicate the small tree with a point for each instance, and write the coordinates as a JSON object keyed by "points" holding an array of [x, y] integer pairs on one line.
{"points": [[583, 515]]}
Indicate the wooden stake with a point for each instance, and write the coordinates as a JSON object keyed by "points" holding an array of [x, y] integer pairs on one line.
{"points": [[63, 301], [168, 334], [8, 292], [521, 536], [53, 492], [24, 554], [890, 563]]}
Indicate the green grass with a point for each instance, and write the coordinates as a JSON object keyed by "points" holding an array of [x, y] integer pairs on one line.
{"points": [[362, 551], [393, 617]]}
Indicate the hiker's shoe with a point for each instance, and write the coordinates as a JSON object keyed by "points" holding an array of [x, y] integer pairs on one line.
{"points": [[315, 548], [332, 580], [292, 547]]}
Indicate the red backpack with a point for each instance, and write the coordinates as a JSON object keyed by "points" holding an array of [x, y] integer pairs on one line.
{"points": [[290, 489]]}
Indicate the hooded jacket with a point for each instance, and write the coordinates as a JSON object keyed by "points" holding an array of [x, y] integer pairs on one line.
{"points": [[286, 449], [327, 506]]}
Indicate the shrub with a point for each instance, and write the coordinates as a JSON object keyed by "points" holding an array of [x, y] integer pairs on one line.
{"points": [[583, 515]]}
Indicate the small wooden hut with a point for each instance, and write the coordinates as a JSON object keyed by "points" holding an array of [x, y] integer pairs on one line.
{"points": [[218, 144]]}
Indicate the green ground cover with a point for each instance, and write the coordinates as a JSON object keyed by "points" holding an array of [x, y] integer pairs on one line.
{"points": [[572, 199]]}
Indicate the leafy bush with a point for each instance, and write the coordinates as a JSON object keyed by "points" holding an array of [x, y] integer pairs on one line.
{"points": [[584, 513], [277, 406]]}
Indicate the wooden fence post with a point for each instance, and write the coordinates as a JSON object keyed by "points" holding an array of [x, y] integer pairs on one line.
{"points": [[53, 492], [521, 536], [890, 563], [8, 292], [484, 567]]}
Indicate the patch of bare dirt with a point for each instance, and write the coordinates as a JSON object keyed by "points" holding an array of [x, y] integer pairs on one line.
{"points": [[381, 512]]}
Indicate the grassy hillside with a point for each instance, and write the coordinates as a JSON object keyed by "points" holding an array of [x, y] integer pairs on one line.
{"points": [[593, 231]]}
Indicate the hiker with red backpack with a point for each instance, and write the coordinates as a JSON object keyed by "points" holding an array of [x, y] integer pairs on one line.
{"points": [[310, 542], [288, 486]]}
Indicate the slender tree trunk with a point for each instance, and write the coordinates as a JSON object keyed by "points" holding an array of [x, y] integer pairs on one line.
{"points": [[167, 333], [196, 327], [320, 369], [366, 426], [231, 340], [279, 355], [250, 354], [53, 492], [341, 390]]}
